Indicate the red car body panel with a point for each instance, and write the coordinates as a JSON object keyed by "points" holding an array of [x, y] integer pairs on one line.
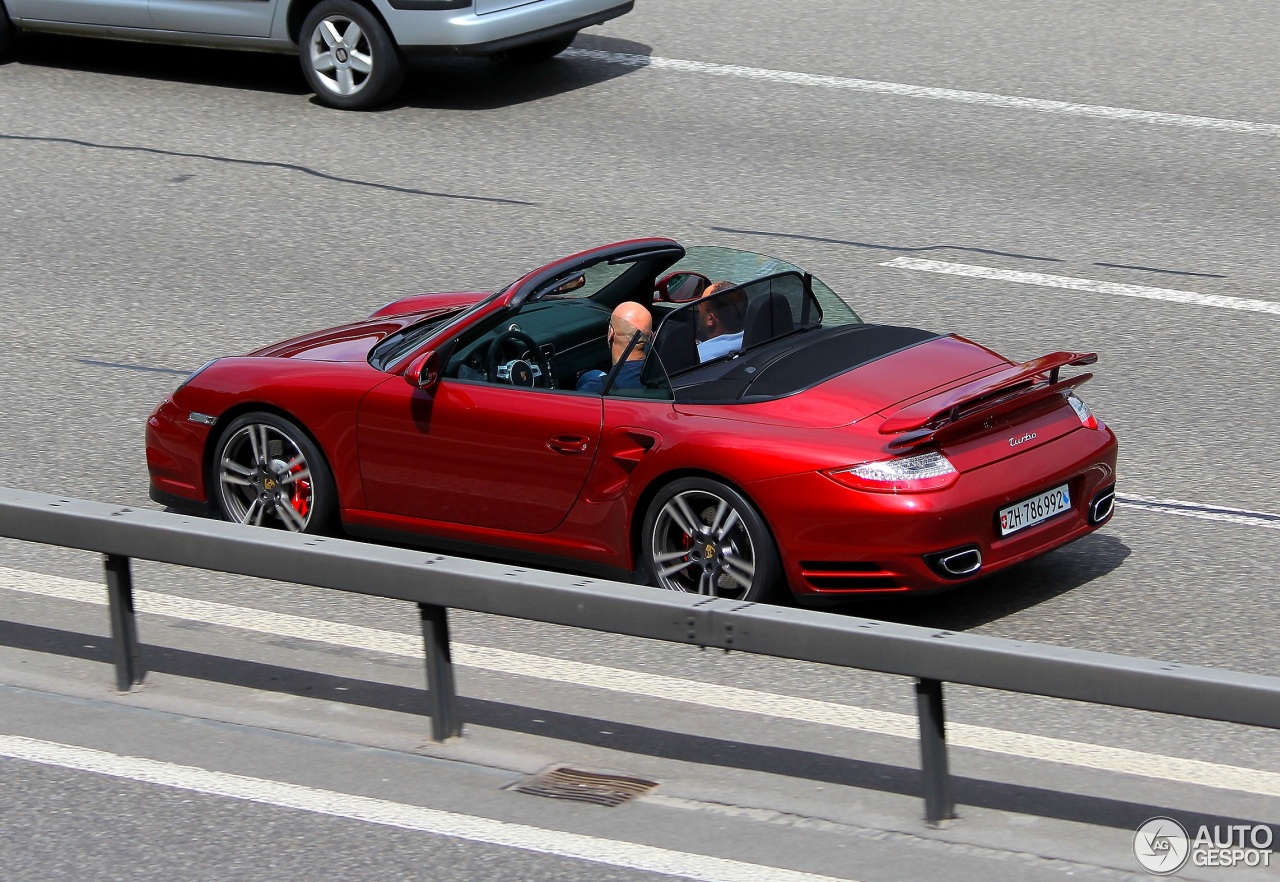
{"points": [[568, 475], [323, 397], [500, 457]]}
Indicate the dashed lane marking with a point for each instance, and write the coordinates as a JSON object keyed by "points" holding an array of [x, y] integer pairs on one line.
{"points": [[749, 701], [961, 96], [1242, 516], [1071, 283]]}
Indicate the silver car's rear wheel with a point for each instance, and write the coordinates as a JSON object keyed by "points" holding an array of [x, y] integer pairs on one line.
{"points": [[6, 31], [267, 473], [348, 57], [703, 537]]}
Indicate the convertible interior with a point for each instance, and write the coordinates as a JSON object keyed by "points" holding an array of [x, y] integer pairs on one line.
{"points": [[560, 331], [551, 339], [546, 344]]}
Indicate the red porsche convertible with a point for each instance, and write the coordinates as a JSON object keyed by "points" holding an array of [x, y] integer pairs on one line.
{"points": [[799, 447]]}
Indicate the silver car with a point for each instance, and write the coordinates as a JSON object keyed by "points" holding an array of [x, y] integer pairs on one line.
{"points": [[353, 52]]}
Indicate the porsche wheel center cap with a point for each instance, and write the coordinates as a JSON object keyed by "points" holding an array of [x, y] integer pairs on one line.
{"points": [[706, 554], [268, 484]]}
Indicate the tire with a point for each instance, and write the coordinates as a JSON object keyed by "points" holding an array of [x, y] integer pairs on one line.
{"points": [[348, 58], [536, 52], [7, 32], [267, 472], [703, 537]]}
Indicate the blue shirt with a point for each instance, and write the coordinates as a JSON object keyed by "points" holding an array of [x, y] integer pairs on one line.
{"points": [[628, 378], [718, 346]]}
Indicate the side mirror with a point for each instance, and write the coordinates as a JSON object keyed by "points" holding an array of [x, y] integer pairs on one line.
{"points": [[681, 287], [424, 371]]}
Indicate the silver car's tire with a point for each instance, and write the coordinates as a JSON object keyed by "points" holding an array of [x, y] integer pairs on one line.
{"points": [[348, 58], [703, 537], [266, 472], [6, 31]]}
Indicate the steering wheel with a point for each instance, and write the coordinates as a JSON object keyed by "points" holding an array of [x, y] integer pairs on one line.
{"points": [[529, 367]]}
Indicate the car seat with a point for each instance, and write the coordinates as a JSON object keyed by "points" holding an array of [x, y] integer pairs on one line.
{"points": [[767, 317], [675, 347]]}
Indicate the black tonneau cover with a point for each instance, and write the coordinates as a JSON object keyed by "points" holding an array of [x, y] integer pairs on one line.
{"points": [[793, 364]]}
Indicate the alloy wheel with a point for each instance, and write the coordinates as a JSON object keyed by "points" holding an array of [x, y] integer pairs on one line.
{"points": [[701, 545], [341, 55], [264, 479]]}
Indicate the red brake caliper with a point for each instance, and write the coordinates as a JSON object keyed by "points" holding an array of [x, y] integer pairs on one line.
{"points": [[301, 499]]}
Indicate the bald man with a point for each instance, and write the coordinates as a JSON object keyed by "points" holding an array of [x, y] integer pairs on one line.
{"points": [[627, 319]]}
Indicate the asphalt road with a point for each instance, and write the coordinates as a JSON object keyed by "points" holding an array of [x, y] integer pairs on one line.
{"points": [[165, 206]]}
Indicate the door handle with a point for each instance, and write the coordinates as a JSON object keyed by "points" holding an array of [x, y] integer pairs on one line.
{"points": [[568, 443]]}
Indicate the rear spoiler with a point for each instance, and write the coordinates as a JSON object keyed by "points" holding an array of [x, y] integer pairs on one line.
{"points": [[957, 410]]}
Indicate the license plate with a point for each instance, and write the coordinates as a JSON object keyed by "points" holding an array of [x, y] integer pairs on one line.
{"points": [[1030, 512]]}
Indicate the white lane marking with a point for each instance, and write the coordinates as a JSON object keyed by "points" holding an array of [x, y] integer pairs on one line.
{"points": [[988, 99], [1073, 284], [1242, 516], [557, 843], [844, 716]]}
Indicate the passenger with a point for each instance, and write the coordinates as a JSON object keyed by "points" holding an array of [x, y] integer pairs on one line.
{"points": [[624, 323], [720, 322]]}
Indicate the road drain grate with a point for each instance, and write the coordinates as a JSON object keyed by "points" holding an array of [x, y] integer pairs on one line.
{"points": [[563, 782]]}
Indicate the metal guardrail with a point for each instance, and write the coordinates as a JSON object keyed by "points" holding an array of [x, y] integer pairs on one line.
{"points": [[438, 583]]}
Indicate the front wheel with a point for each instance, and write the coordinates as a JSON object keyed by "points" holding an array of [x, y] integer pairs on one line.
{"points": [[348, 58], [268, 473], [703, 537]]}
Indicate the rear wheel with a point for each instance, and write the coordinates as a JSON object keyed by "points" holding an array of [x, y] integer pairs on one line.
{"points": [[703, 537], [348, 58], [266, 472], [6, 31]]}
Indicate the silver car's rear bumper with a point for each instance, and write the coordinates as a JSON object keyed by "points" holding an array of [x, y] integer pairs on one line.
{"points": [[464, 32]]}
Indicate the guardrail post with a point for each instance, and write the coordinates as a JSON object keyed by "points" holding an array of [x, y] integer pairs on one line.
{"points": [[124, 627], [445, 722], [938, 806]]}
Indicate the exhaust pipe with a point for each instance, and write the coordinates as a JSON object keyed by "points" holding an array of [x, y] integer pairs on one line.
{"points": [[1103, 504], [956, 564], [961, 563]]}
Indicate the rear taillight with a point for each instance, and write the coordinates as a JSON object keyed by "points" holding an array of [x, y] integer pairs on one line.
{"points": [[1087, 419], [907, 474]]}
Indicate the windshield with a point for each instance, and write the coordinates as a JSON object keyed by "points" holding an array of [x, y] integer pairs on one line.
{"points": [[396, 346], [587, 282]]}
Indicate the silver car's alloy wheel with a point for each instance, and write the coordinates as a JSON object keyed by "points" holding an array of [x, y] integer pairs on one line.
{"points": [[264, 479], [700, 544], [348, 57], [341, 55]]}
